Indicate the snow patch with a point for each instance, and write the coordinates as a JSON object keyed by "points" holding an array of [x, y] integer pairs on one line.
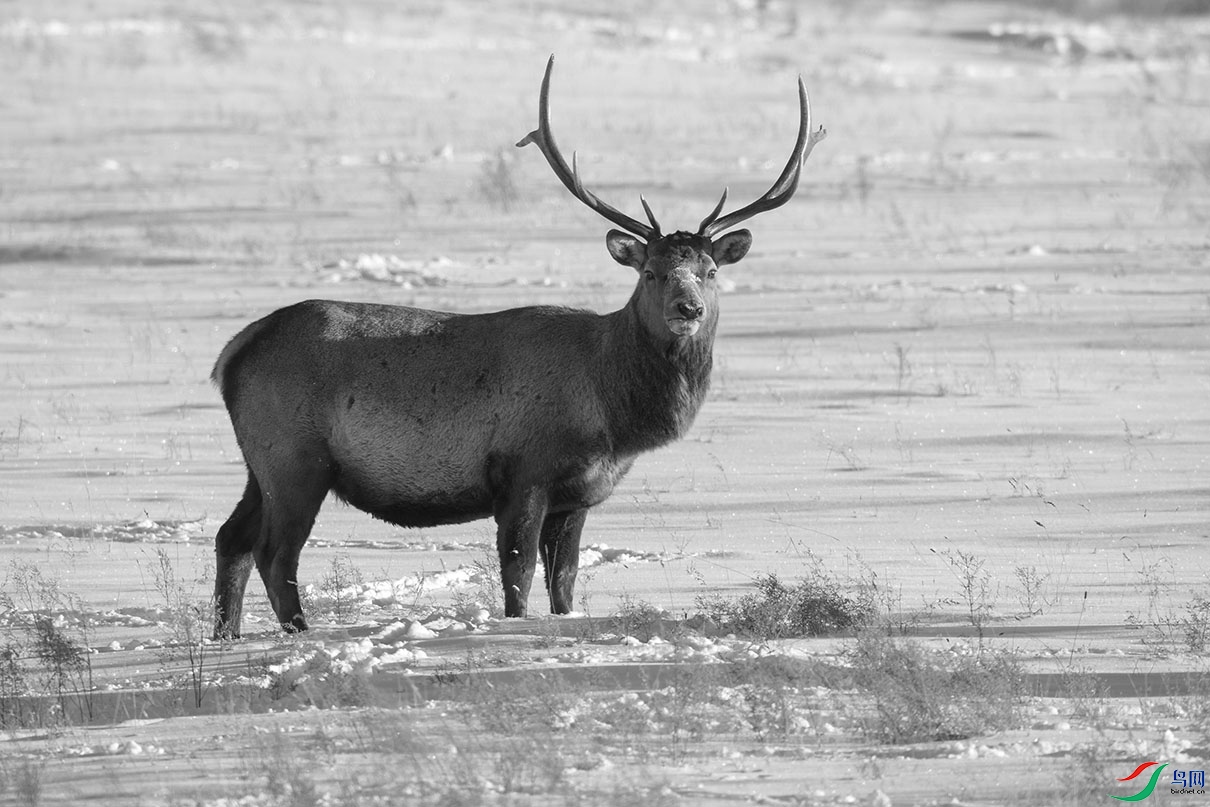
{"points": [[598, 554], [408, 274], [404, 591], [143, 530], [318, 665]]}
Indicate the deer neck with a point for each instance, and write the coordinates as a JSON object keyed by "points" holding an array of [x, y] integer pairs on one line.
{"points": [[652, 385]]}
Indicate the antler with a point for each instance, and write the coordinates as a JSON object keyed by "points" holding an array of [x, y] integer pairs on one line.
{"points": [[786, 184], [570, 177]]}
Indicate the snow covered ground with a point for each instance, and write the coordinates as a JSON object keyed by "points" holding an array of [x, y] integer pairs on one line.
{"points": [[965, 367]]}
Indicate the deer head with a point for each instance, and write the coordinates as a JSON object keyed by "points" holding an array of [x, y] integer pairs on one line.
{"points": [[677, 292]]}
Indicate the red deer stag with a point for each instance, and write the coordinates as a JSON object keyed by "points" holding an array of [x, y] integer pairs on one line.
{"points": [[420, 418]]}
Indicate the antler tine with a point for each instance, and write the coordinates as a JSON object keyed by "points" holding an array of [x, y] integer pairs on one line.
{"points": [[578, 186], [718, 208], [787, 183], [655, 225], [544, 139]]}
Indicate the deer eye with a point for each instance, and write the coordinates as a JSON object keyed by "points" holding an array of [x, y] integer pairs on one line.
{"points": [[711, 273], [650, 275]]}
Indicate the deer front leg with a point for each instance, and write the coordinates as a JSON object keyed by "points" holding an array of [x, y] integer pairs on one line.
{"points": [[560, 549], [518, 527]]}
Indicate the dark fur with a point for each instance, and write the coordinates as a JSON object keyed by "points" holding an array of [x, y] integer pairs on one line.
{"points": [[418, 417]]}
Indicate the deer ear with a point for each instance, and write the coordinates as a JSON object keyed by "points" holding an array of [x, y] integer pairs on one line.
{"points": [[626, 249], [732, 247]]}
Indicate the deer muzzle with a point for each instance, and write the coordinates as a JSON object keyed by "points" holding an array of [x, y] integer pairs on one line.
{"points": [[685, 308]]}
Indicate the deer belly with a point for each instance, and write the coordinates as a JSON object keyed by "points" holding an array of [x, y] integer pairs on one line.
{"points": [[412, 476], [404, 500]]}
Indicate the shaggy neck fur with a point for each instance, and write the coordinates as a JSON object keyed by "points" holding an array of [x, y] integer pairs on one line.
{"points": [[652, 384]]}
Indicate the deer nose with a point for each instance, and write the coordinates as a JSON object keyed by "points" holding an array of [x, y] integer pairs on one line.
{"points": [[690, 311]]}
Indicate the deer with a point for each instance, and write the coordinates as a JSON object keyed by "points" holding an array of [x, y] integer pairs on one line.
{"points": [[530, 416]]}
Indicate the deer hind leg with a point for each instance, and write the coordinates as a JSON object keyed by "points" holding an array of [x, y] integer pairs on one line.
{"points": [[519, 520], [289, 515], [560, 547], [233, 561]]}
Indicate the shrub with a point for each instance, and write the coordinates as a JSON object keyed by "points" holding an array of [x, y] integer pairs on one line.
{"points": [[496, 183], [817, 605], [1196, 624], [338, 594], [919, 695], [641, 619], [44, 639]]}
